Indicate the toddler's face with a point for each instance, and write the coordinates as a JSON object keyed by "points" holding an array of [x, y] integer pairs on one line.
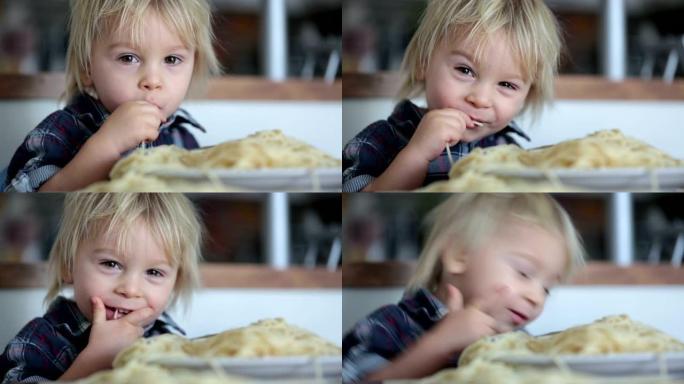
{"points": [[492, 92], [159, 71], [522, 260], [140, 277]]}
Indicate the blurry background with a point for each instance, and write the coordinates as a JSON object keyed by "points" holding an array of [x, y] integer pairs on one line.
{"points": [[377, 32], [634, 242], [282, 61], [265, 255], [622, 68], [33, 37]]}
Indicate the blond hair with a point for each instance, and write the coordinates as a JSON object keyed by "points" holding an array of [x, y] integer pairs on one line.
{"points": [[92, 20], [170, 217], [529, 26], [466, 221]]}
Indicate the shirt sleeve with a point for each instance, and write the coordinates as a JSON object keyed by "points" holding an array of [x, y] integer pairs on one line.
{"points": [[44, 152], [373, 342], [367, 155], [32, 356]]}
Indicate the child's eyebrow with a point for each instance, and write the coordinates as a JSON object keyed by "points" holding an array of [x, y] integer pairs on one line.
{"points": [[527, 257], [116, 45], [106, 251], [458, 52]]}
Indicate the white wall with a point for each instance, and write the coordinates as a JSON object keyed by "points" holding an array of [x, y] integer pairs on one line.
{"points": [[658, 123], [659, 306], [212, 310], [318, 123]]}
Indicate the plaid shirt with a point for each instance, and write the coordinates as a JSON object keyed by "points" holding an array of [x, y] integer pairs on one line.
{"points": [[370, 153], [385, 333], [45, 348], [57, 139]]}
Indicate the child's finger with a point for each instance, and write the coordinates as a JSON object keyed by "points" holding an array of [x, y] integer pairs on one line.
{"points": [[469, 123], [454, 298], [99, 313], [139, 316]]}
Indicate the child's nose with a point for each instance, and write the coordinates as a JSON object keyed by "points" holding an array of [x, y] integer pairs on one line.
{"points": [[478, 97], [128, 287], [150, 81]]}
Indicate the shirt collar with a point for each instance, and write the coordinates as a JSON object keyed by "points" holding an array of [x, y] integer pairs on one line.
{"points": [[64, 314], [94, 113], [424, 306]]}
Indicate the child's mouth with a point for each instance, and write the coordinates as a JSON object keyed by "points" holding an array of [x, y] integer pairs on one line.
{"points": [[114, 313], [517, 317]]}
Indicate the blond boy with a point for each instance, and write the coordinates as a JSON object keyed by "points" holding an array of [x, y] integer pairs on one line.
{"points": [[479, 64], [130, 64], [128, 257], [487, 267]]}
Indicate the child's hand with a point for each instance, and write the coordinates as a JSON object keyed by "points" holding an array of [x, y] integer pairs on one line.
{"points": [[437, 129], [109, 337], [130, 124], [464, 325]]}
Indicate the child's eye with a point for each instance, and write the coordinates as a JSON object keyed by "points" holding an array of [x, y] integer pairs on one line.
{"points": [[111, 264], [128, 59], [547, 291], [465, 70], [523, 274], [173, 60], [155, 273], [508, 85]]}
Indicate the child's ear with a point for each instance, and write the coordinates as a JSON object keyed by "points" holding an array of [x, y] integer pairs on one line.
{"points": [[68, 279], [86, 80], [420, 75], [453, 261]]}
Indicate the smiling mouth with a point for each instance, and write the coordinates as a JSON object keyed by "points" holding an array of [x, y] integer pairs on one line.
{"points": [[518, 317], [114, 313]]}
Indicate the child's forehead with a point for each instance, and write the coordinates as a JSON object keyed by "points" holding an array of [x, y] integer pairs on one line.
{"points": [[152, 29], [135, 242]]}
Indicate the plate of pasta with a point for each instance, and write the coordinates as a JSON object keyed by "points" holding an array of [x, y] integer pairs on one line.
{"points": [[267, 179], [605, 160], [615, 346], [278, 367], [624, 364], [610, 179]]}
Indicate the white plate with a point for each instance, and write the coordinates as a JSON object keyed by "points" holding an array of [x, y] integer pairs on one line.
{"points": [[289, 367], [268, 179], [609, 179], [625, 364]]}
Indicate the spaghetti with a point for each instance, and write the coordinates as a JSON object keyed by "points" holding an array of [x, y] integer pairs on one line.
{"points": [[600, 150], [140, 170], [270, 337], [609, 335]]}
